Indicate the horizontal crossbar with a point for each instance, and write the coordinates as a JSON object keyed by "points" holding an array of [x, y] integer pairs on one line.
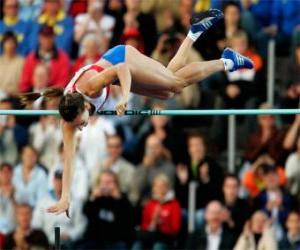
{"points": [[175, 112]]}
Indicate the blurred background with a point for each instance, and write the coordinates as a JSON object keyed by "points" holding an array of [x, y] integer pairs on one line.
{"points": [[153, 182]]}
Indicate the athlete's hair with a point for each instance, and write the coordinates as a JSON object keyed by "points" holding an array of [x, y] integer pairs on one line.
{"points": [[70, 105]]}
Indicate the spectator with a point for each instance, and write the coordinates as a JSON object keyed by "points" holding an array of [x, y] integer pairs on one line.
{"points": [[109, 214], [156, 161], [11, 64], [159, 9], [292, 170], [132, 37], [290, 140], [257, 234], [274, 200], [7, 220], [30, 10], [161, 217], [29, 178], [121, 167], [236, 210], [96, 22], [253, 177], [90, 55], [71, 229], [94, 138], [56, 61], [11, 22], [163, 128], [80, 183], [135, 18], [53, 15], [24, 236], [267, 139], [12, 135], [292, 239], [204, 171], [76, 7], [212, 235]]}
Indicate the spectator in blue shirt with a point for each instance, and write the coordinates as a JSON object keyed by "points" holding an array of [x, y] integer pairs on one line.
{"points": [[12, 22], [30, 10], [54, 15]]}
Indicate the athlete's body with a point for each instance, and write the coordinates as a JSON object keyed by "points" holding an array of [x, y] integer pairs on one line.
{"points": [[134, 72]]}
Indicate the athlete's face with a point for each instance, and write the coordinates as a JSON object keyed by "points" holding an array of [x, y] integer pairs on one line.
{"points": [[82, 120]]}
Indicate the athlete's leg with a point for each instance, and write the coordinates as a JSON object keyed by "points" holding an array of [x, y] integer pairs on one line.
{"points": [[200, 22]]}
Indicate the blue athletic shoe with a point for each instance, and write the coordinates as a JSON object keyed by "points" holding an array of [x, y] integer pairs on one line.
{"points": [[204, 20], [239, 61]]}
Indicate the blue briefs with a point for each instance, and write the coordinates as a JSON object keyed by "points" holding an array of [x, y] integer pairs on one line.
{"points": [[115, 55]]}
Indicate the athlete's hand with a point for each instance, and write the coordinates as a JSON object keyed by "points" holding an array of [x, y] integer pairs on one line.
{"points": [[61, 206], [121, 108]]}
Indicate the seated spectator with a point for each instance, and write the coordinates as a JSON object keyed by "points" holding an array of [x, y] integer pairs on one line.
{"points": [[237, 210], [162, 127], [29, 179], [7, 220], [90, 55], [54, 15], [94, 138], [132, 37], [24, 236], [291, 241], [212, 235], [11, 64], [121, 167], [96, 22], [71, 229], [158, 9], [109, 214], [12, 135], [200, 168], [135, 18], [292, 170], [253, 178], [12, 22], [30, 10], [157, 160], [161, 217], [56, 60], [274, 200], [80, 181], [266, 140], [257, 234]]}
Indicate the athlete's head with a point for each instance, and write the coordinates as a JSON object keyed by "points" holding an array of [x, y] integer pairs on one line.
{"points": [[74, 109], [72, 106]]}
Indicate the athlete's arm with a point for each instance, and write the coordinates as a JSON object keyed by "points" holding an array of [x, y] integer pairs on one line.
{"points": [[69, 154]]}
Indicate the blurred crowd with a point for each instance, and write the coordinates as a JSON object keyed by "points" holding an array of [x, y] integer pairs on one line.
{"points": [[132, 174]]}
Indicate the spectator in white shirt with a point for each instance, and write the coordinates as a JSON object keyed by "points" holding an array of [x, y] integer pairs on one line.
{"points": [[29, 179], [7, 220], [93, 138], [212, 236], [95, 21], [71, 229]]}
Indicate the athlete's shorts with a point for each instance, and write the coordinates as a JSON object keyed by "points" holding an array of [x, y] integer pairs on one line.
{"points": [[115, 55]]}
